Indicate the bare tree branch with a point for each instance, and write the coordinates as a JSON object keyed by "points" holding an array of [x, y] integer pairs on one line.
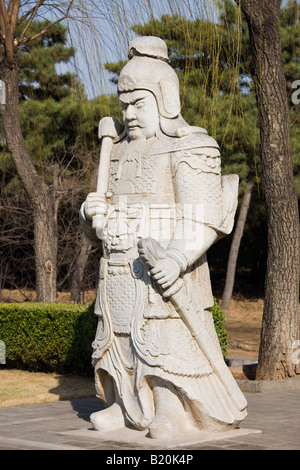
{"points": [[23, 17], [13, 13], [40, 33], [3, 17], [10, 20], [34, 11]]}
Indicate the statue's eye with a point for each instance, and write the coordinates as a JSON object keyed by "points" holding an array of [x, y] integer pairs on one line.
{"points": [[139, 104]]}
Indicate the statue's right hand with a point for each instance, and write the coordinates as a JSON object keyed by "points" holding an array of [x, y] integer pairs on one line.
{"points": [[95, 204]]}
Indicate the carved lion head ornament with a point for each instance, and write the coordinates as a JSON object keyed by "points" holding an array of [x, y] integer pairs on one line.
{"points": [[149, 69]]}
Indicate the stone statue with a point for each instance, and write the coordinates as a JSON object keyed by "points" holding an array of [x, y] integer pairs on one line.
{"points": [[161, 202]]}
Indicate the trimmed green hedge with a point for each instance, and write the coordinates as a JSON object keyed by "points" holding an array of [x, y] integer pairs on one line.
{"points": [[48, 337], [58, 337]]}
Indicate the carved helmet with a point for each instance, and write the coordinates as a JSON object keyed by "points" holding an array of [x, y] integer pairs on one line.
{"points": [[149, 69]]}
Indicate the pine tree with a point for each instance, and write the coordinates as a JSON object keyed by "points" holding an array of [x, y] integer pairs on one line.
{"points": [[60, 127], [37, 191]]}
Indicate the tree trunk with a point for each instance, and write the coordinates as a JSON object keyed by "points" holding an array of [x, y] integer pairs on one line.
{"points": [[235, 246], [78, 272], [280, 316], [41, 202]]}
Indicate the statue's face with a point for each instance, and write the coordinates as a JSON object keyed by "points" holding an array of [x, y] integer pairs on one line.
{"points": [[140, 114]]}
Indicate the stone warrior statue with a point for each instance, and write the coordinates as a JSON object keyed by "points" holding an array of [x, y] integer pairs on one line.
{"points": [[161, 202]]}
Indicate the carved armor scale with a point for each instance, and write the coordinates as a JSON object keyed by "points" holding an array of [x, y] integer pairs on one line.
{"points": [[138, 330]]}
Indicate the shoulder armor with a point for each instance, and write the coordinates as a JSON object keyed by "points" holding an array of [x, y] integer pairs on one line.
{"points": [[202, 159], [168, 144], [196, 140]]}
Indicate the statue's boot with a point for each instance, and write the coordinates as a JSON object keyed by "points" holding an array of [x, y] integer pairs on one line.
{"points": [[170, 420], [109, 419]]}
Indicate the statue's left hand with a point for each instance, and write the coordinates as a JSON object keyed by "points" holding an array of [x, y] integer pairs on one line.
{"points": [[166, 272]]}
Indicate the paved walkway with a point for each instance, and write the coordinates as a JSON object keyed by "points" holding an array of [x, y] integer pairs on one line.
{"points": [[64, 425]]}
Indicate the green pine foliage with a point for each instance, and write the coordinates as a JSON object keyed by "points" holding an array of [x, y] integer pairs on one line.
{"points": [[59, 123], [38, 60]]}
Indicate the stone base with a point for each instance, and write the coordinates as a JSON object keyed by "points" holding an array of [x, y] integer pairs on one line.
{"points": [[133, 436], [258, 386]]}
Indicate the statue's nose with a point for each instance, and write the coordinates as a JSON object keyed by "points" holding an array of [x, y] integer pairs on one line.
{"points": [[130, 113]]}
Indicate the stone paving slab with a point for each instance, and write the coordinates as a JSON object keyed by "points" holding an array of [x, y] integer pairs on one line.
{"points": [[59, 425]]}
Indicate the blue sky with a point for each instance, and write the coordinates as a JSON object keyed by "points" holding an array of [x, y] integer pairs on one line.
{"points": [[107, 40]]}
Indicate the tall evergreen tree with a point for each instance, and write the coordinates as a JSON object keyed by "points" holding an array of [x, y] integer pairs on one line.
{"points": [[59, 127], [39, 78], [37, 191]]}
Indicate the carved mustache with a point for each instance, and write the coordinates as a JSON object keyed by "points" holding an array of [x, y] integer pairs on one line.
{"points": [[133, 124]]}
